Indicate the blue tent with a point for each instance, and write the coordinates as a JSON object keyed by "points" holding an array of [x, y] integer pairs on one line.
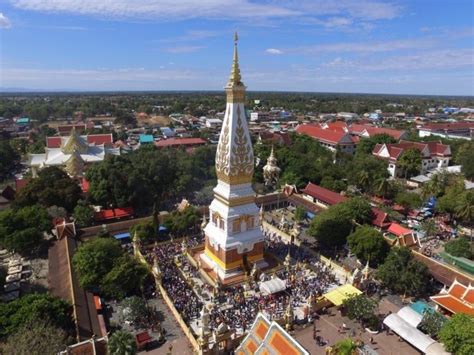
{"points": [[122, 237], [162, 229], [310, 215]]}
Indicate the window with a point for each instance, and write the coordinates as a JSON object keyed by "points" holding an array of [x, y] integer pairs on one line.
{"points": [[215, 219], [221, 223], [236, 225], [250, 223]]}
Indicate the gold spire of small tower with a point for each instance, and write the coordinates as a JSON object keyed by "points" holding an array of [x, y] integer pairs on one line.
{"points": [[235, 89]]}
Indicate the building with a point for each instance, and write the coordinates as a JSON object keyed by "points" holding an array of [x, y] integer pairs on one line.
{"points": [[279, 138], [457, 299], [213, 123], [321, 196], [180, 142], [433, 155], [233, 239], [400, 236], [331, 139], [146, 139], [73, 153], [259, 116], [461, 130], [367, 131], [265, 337]]}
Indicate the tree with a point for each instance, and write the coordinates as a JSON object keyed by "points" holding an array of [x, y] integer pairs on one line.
{"points": [[360, 307], [408, 200], [410, 162], [34, 308], [83, 214], [94, 259], [330, 229], [356, 209], [457, 334], [464, 158], [460, 247], [145, 231], [300, 213], [345, 347], [180, 223], [21, 230], [3, 276], [9, 159], [382, 187], [367, 145], [401, 273], [429, 227], [368, 245], [465, 209], [127, 277], [52, 187], [134, 310], [432, 323], [122, 342], [36, 338]]}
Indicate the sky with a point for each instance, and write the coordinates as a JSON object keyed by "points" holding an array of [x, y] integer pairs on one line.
{"points": [[357, 46]]}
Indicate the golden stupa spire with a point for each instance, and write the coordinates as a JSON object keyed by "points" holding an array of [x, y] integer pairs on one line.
{"points": [[235, 78]]}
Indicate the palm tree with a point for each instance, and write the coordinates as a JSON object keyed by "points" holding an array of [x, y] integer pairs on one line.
{"points": [[465, 209], [345, 347], [382, 186], [122, 343], [363, 178]]}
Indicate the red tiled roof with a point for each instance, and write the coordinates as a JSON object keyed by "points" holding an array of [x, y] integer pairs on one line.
{"points": [[97, 303], [340, 126], [99, 139], [85, 185], [398, 230], [143, 337], [448, 126], [67, 128], [113, 213], [452, 304], [324, 135], [20, 184], [324, 195], [396, 149], [179, 142], [380, 218], [53, 142]]}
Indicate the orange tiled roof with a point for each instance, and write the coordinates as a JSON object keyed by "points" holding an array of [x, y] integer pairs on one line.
{"points": [[458, 299], [268, 338]]}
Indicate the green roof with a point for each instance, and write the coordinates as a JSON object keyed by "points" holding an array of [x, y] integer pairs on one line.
{"points": [[146, 138]]}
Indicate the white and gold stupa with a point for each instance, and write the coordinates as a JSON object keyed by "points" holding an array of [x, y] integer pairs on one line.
{"points": [[233, 239]]}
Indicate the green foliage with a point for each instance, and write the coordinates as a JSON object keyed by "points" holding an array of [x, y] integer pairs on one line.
{"points": [[9, 159], [122, 342], [103, 265], [94, 259], [365, 171], [179, 223], [360, 307], [464, 157], [409, 163], [356, 209], [450, 200], [457, 334], [21, 230], [429, 227], [127, 277], [33, 308], [36, 338], [52, 187], [345, 347], [408, 200], [432, 323], [145, 231], [464, 210], [366, 145], [402, 274], [460, 247], [83, 214], [299, 214], [368, 244], [330, 229], [134, 310], [3, 276]]}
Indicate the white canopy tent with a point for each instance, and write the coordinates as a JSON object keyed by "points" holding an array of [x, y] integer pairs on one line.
{"points": [[410, 316], [272, 286]]}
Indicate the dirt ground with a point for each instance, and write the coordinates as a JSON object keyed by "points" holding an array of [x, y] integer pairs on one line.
{"points": [[163, 121]]}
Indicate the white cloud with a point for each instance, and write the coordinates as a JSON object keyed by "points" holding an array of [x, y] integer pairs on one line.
{"points": [[4, 21], [274, 51], [183, 49], [368, 10]]}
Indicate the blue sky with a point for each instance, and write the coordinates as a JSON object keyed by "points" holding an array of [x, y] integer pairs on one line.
{"points": [[375, 46]]}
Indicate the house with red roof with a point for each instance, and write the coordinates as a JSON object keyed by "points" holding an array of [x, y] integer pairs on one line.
{"points": [[464, 130], [400, 236], [457, 299], [321, 196], [367, 131], [433, 154], [328, 138]]}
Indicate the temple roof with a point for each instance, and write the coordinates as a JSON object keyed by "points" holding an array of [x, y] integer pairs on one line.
{"points": [[269, 338], [75, 143], [458, 299]]}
